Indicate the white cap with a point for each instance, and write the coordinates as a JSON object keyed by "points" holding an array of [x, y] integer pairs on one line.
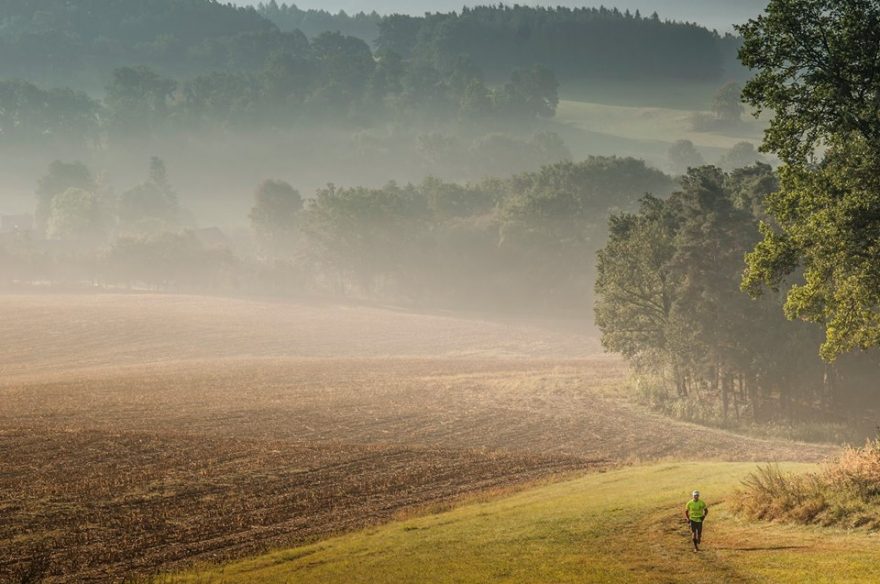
{"points": [[695, 494]]}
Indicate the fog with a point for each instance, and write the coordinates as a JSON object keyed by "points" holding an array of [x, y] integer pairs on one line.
{"points": [[271, 273]]}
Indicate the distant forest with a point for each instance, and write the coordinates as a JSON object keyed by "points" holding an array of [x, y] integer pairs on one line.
{"points": [[56, 42], [574, 42]]}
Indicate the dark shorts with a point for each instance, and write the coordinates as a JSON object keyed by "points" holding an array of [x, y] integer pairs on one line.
{"points": [[697, 527]]}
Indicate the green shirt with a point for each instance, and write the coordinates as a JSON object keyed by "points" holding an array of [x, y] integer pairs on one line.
{"points": [[696, 509]]}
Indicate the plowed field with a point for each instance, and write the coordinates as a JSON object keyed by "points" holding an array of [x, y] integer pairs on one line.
{"points": [[144, 432]]}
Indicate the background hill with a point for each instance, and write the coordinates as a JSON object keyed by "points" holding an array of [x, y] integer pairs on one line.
{"points": [[718, 14]]}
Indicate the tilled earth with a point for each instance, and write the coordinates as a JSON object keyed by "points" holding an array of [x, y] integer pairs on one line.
{"points": [[178, 456]]}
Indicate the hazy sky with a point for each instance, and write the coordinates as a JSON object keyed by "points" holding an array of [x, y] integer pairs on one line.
{"points": [[720, 14]]}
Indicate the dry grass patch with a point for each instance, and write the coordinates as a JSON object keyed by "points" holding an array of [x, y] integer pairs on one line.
{"points": [[844, 493]]}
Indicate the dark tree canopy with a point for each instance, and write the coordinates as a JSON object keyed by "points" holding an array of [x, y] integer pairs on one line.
{"points": [[816, 65], [576, 43], [668, 297]]}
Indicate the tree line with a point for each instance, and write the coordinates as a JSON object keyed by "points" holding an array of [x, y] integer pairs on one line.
{"points": [[669, 299], [312, 22], [522, 244], [77, 44], [576, 43], [334, 81]]}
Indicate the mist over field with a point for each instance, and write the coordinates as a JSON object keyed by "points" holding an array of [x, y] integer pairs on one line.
{"points": [[415, 292]]}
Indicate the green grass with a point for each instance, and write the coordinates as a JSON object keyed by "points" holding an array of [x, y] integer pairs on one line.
{"points": [[620, 526], [643, 132], [637, 93], [653, 124]]}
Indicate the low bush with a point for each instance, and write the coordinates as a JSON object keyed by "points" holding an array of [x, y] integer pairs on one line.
{"points": [[844, 493]]}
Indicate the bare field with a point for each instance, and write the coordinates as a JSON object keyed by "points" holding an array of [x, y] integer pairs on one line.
{"points": [[63, 332], [140, 432]]}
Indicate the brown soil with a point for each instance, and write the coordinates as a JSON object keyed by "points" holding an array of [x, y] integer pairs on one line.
{"points": [[141, 433]]}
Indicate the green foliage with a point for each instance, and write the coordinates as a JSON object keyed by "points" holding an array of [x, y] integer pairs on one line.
{"points": [[531, 92], [371, 235], [76, 216], [138, 100], [289, 17], [60, 177], [815, 63], [727, 106], [523, 243], [683, 155], [151, 207], [668, 298], [741, 155], [77, 42], [825, 224], [33, 116], [578, 43], [275, 216]]}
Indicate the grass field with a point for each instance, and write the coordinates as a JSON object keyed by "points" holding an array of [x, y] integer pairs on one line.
{"points": [[147, 432], [591, 128], [636, 93], [622, 526]]}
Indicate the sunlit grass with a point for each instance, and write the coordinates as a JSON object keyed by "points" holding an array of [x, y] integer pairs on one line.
{"points": [[620, 526]]}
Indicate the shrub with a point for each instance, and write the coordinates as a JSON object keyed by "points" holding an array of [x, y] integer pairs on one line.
{"points": [[845, 493]]}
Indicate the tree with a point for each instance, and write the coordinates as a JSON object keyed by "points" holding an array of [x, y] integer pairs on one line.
{"points": [[151, 207], [346, 66], [476, 101], [60, 177], [534, 92], [815, 64], [76, 216], [275, 216], [684, 155], [668, 297], [138, 98], [168, 260], [741, 155], [727, 105], [554, 220], [372, 238], [635, 287]]}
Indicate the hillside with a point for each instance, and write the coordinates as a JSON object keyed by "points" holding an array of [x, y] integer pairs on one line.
{"points": [[192, 428], [618, 527], [56, 43]]}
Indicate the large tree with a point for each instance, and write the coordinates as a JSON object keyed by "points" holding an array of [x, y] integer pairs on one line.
{"points": [[275, 216], [817, 68], [668, 297], [76, 217], [60, 177], [727, 105]]}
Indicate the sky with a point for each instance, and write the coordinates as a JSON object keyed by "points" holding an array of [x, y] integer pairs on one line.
{"points": [[717, 14]]}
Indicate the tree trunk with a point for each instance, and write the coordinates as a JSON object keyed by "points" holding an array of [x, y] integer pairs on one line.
{"points": [[680, 382], [829, 386], [723, 383]]}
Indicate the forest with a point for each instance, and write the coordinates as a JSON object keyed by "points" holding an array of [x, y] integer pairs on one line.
{"points": [[54, 43]]}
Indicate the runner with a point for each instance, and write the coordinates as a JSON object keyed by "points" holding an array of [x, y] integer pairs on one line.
{"points": [[695, 512]]}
